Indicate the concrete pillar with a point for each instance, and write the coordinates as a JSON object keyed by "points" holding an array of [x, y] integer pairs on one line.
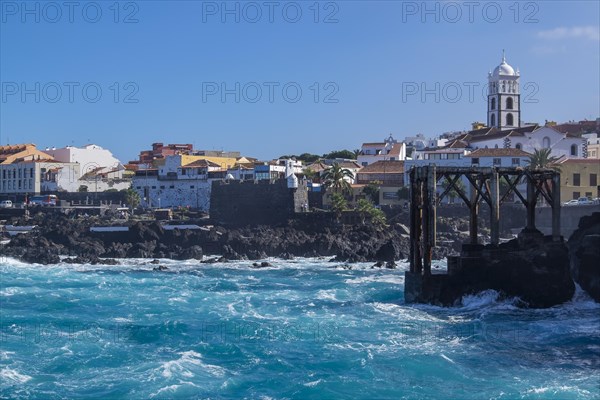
{"points": [[474, 209], [495, 208], [531, 200], [413, 219], [556, 207]]}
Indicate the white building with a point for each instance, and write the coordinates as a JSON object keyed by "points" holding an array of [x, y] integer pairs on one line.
{"points": [[504, 99], [175, 185], [33, 177], [529, 139], [99, 169], [388, 150]]}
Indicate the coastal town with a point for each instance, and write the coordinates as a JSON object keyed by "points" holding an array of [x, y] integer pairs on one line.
{"points": [[179, 175], [300, 200]]}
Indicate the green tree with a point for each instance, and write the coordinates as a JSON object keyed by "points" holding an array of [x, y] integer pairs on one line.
{"points": [[340, 154], [310, 174], [334, 178], [542, 159], [338, 203], [378, 217], [132, 198], [372, 190], [307, 158]]}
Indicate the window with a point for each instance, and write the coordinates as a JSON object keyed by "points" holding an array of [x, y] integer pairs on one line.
{"points": [[172, 187], [496, 146], [497, 161], [475, 160], [493, 105], [546, 143], [509, 103], [573, 149], [576, 195], [191, 186], [519, 146], [183, 171], [162, 187], [576, 179], [153, 187], [516, 161], [588, 195], [364, 164], [138, 187], [493, 120], [509, 119], [593, 180]]}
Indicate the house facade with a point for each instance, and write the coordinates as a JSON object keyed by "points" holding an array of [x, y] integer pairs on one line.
{"points": [[388, 150], [579, 178]]}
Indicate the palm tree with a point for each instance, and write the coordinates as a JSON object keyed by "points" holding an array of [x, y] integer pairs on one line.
{"points": [[357, 153], [541, 159], [132, 198], [335, 178]]}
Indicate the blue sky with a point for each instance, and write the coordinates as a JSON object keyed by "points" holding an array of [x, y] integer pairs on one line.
{"points": [[160, 69]]}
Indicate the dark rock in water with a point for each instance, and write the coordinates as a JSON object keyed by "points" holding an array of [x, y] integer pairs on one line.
{"points": [[584, 254], [390, 265], [40, 256], [190, 253], [160, 268], [155, 261], [263, 264], [389, 252], [533, 268]]}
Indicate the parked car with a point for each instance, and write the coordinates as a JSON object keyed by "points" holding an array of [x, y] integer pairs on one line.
{"points": [[6, 204], [584, 201], [571, 203], [45, 200]]}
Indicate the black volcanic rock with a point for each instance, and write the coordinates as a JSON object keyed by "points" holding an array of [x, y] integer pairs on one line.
{"points": [[584, 252]]}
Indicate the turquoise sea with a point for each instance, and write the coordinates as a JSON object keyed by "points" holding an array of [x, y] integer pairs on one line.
{"points": [[302, 329]]}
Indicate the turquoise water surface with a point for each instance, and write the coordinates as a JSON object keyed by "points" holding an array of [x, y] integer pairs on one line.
{"points": [[301, 329]]}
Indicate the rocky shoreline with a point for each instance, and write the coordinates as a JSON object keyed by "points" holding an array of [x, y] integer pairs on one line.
{"points": [[58, 235], [60, 238]]}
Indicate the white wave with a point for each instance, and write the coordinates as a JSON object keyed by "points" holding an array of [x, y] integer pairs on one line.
{"points": [[327, 295], [313, 383], [12, 377], [189, 360], [10, 291], [395, 279]]}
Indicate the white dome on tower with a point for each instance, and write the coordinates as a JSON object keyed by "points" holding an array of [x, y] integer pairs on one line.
{"points": [[504, 69]]}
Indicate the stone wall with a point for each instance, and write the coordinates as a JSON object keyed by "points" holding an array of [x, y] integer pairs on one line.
{"points": [[569, 218], [248, 203]]}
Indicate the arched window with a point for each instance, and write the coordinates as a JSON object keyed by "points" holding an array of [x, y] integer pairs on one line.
{"points": [[546, 142], [496, 146], [493, 120], [493, 105], [573, 149], [519, 146], [509, 103], [509, 119]]}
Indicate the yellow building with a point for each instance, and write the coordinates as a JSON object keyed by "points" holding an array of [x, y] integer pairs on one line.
{"points": [[579, 178]]}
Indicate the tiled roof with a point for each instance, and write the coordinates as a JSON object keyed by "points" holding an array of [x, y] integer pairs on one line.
{"points": [[373, 144], [201, 164], [498, 153], [580, 161], [383, 167]]}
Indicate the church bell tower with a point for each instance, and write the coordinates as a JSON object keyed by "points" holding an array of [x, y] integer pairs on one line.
{"points": [[504, 98]]}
